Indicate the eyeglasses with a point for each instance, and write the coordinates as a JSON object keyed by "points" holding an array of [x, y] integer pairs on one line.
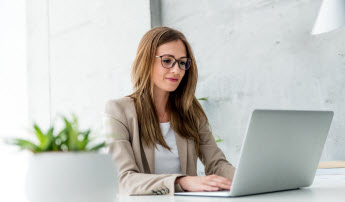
{"points": [[168, 61]]}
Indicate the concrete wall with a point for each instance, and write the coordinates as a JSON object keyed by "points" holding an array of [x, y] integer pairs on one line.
{"points": [[260, 54], [251, 54], [13, 75], [81, 53], [13, 98]]}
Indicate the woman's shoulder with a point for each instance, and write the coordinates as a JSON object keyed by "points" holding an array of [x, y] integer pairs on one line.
{"points": [[120, 107], [123, 101]]}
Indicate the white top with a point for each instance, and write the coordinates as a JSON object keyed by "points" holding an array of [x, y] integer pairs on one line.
{"points": [[167, 162]]}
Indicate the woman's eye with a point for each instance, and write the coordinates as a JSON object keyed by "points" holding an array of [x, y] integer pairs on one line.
{"points": [[166, 61], [182, 63]]}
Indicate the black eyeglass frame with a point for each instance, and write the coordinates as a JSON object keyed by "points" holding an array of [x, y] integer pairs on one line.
{"points": [[176, 60]]}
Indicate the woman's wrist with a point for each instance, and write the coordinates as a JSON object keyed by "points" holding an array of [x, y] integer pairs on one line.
{"points": [[177, 181]]}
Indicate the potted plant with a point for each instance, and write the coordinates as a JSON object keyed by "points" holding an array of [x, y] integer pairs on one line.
{"points": [[64, 167]]}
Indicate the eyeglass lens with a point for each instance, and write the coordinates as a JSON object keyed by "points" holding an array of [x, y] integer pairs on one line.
{"points": [[168, 62]]}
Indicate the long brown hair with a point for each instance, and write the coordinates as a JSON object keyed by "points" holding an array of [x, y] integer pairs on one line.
{"points": [[185, 110]]}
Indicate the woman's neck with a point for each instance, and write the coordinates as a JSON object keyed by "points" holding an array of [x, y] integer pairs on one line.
{"points": [[160, 100]]}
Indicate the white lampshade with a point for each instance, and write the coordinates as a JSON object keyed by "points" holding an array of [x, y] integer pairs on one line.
{"points": [[331, 16]]}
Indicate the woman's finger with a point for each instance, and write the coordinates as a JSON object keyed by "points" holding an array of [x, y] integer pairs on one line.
{"points": [[218, 181], [218, 184], [222, 180], [209, 188]]}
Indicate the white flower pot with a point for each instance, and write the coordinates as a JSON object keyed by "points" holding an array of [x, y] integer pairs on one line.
{"points": [[71, 177]]}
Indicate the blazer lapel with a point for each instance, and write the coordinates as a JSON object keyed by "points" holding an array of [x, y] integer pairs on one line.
{"points": [[149, 153], [181, 143]]}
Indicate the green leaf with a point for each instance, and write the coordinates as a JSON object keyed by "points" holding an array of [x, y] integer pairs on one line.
{"points": [[25, 144], [75, 121], [39, 134], [47, 145], [83, 143], [72, 133], [219, 139], [97, 147], [203, 98]]}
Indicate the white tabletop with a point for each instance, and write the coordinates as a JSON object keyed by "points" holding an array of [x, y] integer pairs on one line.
{"points": [[324, 188], [329, 185]]}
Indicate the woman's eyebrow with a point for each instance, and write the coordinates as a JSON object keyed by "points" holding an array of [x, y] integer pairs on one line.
{"points": [[174, 56]]}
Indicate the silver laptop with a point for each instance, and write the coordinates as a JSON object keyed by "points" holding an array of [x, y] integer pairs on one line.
{"points": [[281, 151]]}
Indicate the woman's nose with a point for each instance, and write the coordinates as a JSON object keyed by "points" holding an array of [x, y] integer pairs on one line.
{"points": [[176, 69]]}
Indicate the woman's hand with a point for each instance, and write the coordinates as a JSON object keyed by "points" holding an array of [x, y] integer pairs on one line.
{"points": [[204, 183]]}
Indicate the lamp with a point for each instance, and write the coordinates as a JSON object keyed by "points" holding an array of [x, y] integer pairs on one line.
{"points": [[331, 16]]}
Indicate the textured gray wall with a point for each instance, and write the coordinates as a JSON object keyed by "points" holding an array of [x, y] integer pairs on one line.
{"points": [[260, 54], [80, 55]]}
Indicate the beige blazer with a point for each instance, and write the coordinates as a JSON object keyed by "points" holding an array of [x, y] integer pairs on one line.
{"points": [[135, 160]]}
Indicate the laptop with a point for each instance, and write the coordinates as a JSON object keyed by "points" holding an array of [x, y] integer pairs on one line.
{"points": [[281, 151]]}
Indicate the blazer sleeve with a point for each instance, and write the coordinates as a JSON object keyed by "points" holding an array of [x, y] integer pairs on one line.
{"points": [[131, 181], [211, 155]]}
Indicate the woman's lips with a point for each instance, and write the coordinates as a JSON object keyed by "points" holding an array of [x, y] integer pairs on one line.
{"points": [[172, 80]]}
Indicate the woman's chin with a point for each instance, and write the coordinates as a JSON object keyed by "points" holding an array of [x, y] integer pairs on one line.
{"points": [[170, 90]]}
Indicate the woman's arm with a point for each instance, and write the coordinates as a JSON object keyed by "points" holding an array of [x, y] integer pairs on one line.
{"points": [[219, 172], [211, 155], [131, 181]]}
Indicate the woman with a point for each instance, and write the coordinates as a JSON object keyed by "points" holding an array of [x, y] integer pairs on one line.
{"points": [[159, 131]]}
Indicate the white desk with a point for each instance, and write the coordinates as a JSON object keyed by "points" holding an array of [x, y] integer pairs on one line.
{"points": [[325, 188]]}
